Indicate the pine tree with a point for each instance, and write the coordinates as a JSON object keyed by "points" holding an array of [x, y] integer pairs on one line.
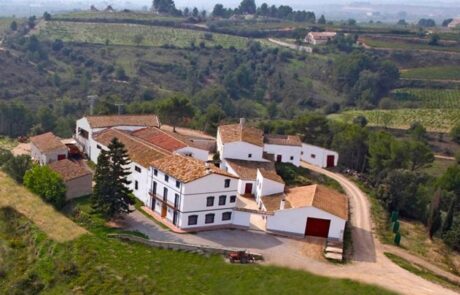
{"points": [[112, 195]]}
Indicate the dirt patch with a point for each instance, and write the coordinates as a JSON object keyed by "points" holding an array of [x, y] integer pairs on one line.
{"points": [[21, 149], [313, 248]]}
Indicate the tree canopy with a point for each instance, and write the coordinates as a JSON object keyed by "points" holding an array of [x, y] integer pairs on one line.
{"points": [[47, 184]]}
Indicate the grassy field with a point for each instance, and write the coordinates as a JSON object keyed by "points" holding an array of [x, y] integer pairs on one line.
{"points": [[96, 264], [119, 15], [428, 98], [432, 73], [7, 143], [378, 42], [124, 34], [47, 219], [436, 120]]}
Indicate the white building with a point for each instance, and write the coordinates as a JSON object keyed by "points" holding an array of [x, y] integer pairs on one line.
{"points": [[90, 125], [77, 179], [318, 38], [319, 156], [284, 148], [47, 148], [192, 194], [268, 183], [312, 210]]}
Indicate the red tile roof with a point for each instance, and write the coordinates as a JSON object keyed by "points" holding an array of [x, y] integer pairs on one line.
{"points": [[159, 138], [247, 170], [238, 132], [292, 140], [69, 170], [47, 142]]}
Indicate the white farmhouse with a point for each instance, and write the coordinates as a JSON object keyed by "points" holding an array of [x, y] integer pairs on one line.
{"points": [[192, 194], [90, 125], [312, 210], [319, 156], [47, 148], [284, 148], [318, 38], [241, 142]]}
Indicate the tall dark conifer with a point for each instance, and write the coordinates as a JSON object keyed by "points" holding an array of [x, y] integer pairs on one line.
{"points": [[103, 187]]}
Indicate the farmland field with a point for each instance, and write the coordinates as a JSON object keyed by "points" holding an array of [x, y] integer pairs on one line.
{"points": [[101, 15], [436, 120], [124, 34], [432, 73], [389, 43], [428, 98]]}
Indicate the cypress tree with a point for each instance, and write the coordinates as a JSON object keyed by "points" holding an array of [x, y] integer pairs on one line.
{"points": [[103, 187]]}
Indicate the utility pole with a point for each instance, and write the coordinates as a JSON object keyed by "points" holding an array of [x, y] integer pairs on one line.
{"points": [[119, 105], [92, 99]]}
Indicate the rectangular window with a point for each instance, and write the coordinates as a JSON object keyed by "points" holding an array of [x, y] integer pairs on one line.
{"points": [[209, 218], [192, 219], [98, 147], [313, 156], [226, 216], [222, 200], [165, 194], [232, 199], [176, 200], [136, 185], [292, 158], [138, 169], [155, 172], [177, 183], [166, 178], [249, 155], [209, 201], [227, 183]]}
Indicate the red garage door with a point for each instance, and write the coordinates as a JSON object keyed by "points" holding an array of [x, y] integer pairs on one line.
{"points": [[317, 227]]}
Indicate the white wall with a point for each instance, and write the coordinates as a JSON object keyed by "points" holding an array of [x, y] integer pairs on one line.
{"points": [[241, 150], [317, 155], [295, 220], [265, 186], [241, 218], [48, 157], [286, 152], [194, 152], [142, 178]]}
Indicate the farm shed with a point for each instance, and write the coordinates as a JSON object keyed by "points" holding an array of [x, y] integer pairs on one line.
{"points": [[312, 210], [77, 179], [47, 148], [319, 156]]}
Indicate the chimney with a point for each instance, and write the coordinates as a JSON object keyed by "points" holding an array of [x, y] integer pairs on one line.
{"points": [[282, 203], [208, 168], [242, 122]]}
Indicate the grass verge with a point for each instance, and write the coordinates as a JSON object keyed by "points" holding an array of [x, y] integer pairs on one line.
{"points": [[422, 272]]}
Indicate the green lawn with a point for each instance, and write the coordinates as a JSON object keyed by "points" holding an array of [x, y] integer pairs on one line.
{"points": [[432, 73], [95, 264], [428, 98], [436, 120], [123, 34]]}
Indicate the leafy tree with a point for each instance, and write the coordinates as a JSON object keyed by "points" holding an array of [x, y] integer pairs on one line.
{"points": [[434, 40], [165, 6], [455, 133], [450, 180], [5, 156], [14, 26], [47, 16], [247, 7], [419, 155], [111, 195], [322, 20], [385, 154], [452, 237], [16, 167], [120, 73], [219, 10], [426, 22], [47, 184], [314, 129], [176, 110], [447, 21], [46, 119], [350, 141], [195, 12], [447, 225], [138, 39], [360, 121], [417, 131], [402, 22], [15, 119]]}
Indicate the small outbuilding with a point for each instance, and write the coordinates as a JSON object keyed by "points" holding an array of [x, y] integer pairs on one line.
{"points": [[47, 148], [313, 210], [319, 156], [77, 179]]}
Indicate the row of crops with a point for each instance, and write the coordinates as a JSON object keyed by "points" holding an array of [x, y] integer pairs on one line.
{"points": [[126, 34], [432, 73], [436, 120], [428, 98]]}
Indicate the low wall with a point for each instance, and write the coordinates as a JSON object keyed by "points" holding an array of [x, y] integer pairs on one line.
{"points": [[180, 246]]}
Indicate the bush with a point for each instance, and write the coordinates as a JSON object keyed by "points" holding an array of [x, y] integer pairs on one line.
{"points": [[47, 184], [16, 167], [455, 133]]}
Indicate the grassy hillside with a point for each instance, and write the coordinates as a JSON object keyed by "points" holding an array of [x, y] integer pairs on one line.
{"points": [[438, 120], [432, 73], [124, 34], [380, 41], [119, 15], [31, 263], [428, 98]]}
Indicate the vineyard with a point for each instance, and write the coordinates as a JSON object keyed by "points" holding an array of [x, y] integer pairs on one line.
{"points": [[436, 120], [428, 98], [122, 15], [382, 42], [126, 34], [432, 73]]}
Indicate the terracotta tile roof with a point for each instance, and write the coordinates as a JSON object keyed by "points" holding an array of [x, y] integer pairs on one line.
{"points": [[159, 138], [272, 175], [238, 132], [320, 197], [69, 170], [139, 151], [204, 143], [272, 202], [247, 170], [47, 142], [186, 169], [293, 140], [322, 35], [192, 133], [123, 120]]}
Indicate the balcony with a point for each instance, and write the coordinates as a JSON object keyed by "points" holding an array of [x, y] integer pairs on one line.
{"points": [[161, 199]]}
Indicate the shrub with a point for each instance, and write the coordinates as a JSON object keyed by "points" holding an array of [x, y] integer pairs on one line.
{"points": [[455, 133], [47, 184], [16, 167]]}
